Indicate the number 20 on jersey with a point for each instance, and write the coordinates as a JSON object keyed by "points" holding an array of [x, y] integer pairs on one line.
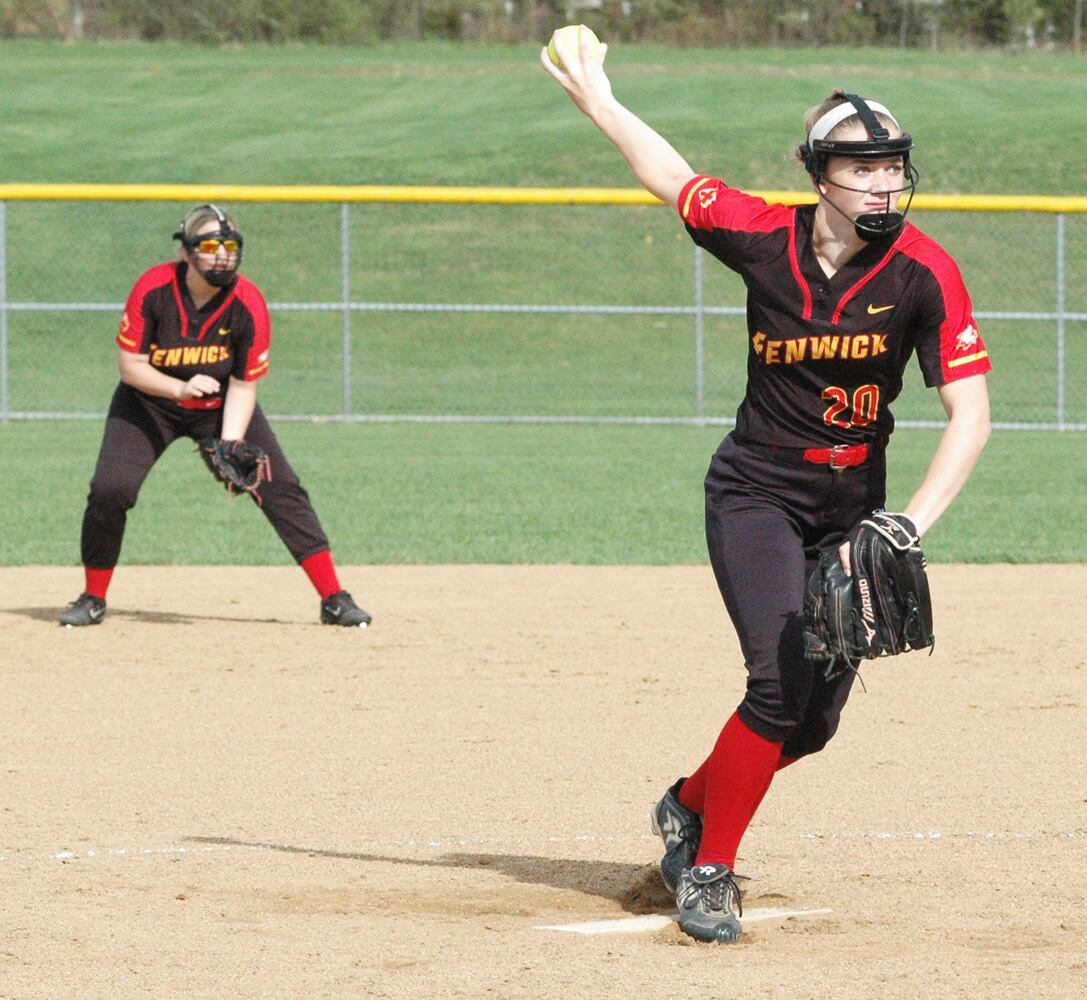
{"points": [[857, 410]]}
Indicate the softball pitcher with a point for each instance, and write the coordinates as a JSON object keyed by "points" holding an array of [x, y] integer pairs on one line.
{"points": [[840, 296], [193, 343]]}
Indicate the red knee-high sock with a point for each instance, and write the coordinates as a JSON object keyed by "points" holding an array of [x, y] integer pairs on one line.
{"points": [[97, 581], [738, 774], [322, 573]]}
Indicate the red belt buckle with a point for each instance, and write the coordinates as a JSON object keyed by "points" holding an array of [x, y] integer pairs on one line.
{"points": [[838, 457], [842, 456]]}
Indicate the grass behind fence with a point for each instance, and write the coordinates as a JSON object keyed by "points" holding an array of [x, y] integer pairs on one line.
{"points": [[501, 363]]}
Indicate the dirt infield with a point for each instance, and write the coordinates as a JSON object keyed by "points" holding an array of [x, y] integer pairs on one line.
{"points": [[212, 795]]}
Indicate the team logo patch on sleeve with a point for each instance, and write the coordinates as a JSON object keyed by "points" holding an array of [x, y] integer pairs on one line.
{"points": [[122, 331], [967, 339], [968, 347], [704, 190]]}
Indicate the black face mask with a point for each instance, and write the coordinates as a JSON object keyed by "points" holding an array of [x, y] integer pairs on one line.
{"points": [[218, 279]]}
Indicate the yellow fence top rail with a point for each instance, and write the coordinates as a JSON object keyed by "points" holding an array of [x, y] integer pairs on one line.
{"points": [[478, 196]]}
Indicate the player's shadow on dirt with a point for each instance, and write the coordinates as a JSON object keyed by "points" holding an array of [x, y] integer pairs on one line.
{"points": [[150, 617], [636, 888]]}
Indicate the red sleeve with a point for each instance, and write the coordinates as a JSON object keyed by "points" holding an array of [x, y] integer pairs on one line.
{"points": [[253, 361], [709, 203], [953, 349], [134, 333]]}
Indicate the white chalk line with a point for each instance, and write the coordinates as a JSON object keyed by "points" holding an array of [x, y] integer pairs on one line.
{"points": [[940, 835], [656, 921], [923, 835], [120, 852]]}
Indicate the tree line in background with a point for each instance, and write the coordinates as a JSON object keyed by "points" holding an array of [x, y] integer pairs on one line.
{"points": [[937, 24]]}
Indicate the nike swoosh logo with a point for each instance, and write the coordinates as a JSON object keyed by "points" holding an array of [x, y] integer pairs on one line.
{"points": [[872, 310], [335, 612], [95, 613]]}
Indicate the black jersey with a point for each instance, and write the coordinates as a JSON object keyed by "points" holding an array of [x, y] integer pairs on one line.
{"points": [[229, 336], [826, 356]]}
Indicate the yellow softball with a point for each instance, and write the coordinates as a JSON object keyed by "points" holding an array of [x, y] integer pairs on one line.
{"points": [[574, 36]]}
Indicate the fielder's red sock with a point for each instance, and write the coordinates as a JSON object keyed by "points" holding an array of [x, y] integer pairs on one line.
{"points": [[784, 762], [738, 775], [322, 573], [97, 581]]}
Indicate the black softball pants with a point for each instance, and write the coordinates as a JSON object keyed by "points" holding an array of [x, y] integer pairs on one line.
{"points": [[138, 430], [767, 520]]}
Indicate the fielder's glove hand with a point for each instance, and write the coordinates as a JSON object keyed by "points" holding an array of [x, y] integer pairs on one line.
{"points": [[883, 609], [239, 465]]}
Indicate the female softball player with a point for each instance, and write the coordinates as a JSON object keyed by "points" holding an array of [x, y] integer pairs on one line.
{"points": [[193, 342], [840, 294]]}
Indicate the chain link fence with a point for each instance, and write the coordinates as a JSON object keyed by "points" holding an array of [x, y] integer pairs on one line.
{"points": [[545, 307]]}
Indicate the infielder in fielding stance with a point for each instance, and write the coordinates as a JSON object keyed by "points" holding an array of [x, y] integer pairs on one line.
{"points": [[193, 343], [840, 294]]}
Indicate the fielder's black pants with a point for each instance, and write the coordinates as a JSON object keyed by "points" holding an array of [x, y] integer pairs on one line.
{"points": [[767, 519], [139, 429]]}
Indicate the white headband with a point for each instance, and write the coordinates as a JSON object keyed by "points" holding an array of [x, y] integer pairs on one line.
{"points": [[835, 116]]}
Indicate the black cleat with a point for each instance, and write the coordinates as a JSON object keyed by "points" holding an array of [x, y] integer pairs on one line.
{"points": [[709, 904], [86, 609], [341, 609], [681, 831]]}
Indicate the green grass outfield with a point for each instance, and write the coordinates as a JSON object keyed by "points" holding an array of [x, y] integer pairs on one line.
{"points": [[448, 113], [986, 123]]}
